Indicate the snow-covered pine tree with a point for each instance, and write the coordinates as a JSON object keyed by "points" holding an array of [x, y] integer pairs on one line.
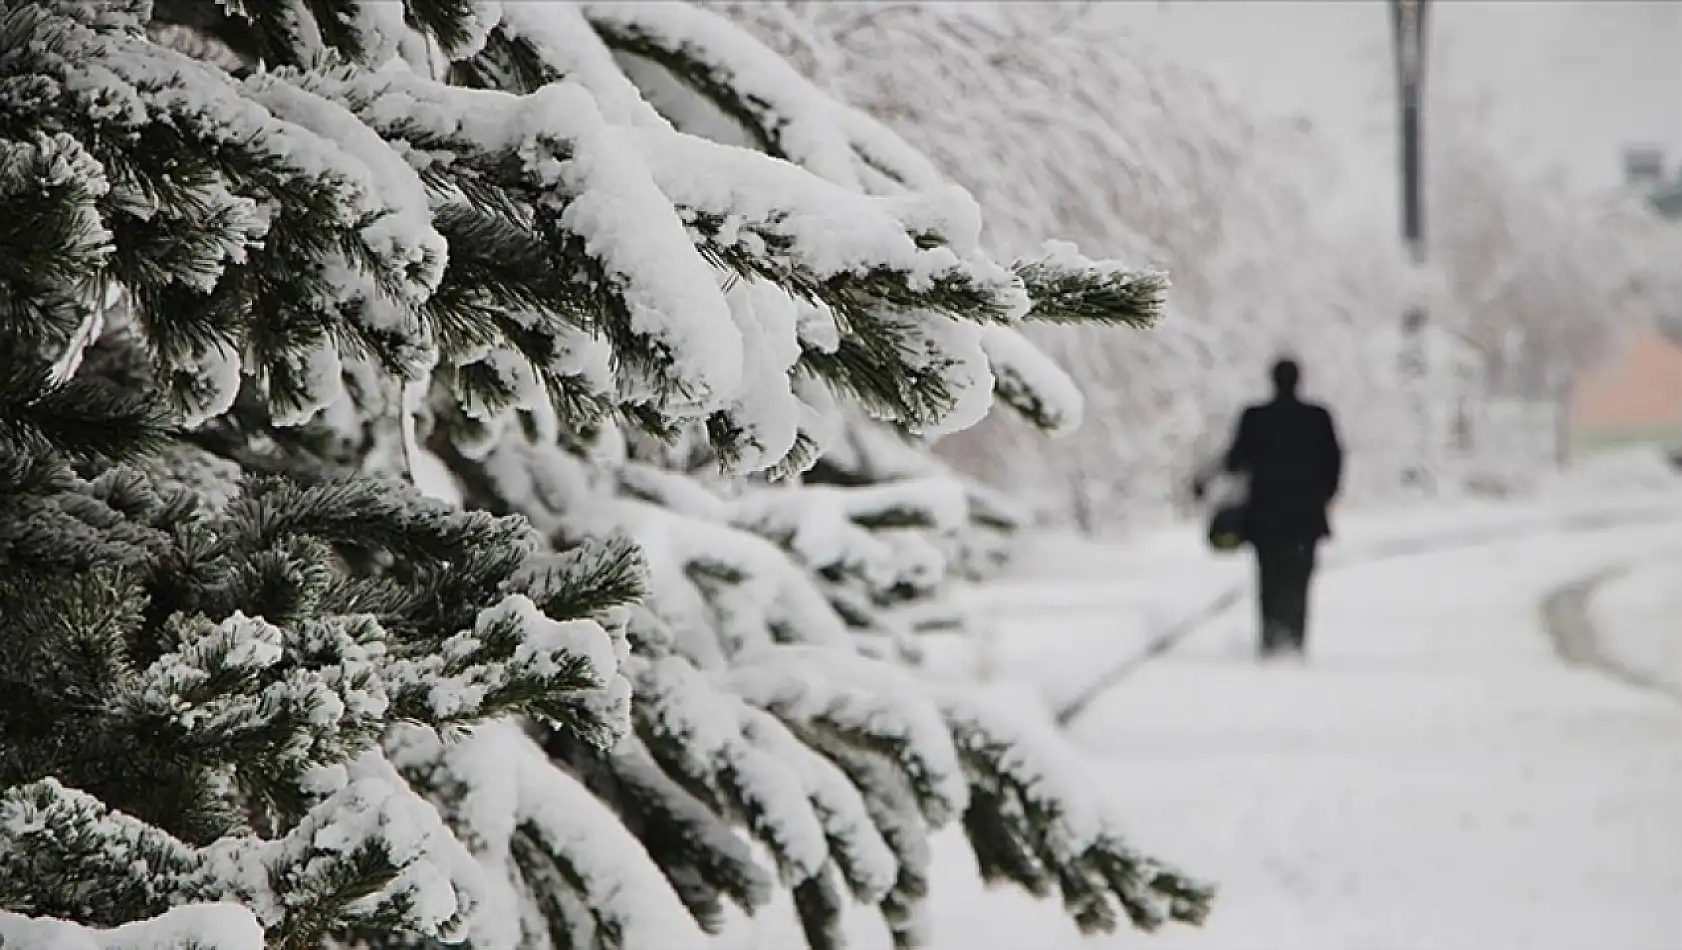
{"points": [[195, 692], [373, 239]]}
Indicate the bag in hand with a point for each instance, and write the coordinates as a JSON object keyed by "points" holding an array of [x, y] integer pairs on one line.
{"points": [[1226, 527], [1226, 522]]}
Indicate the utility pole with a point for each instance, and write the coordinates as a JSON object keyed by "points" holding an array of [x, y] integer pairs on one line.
{"points": [[1407, 25]]}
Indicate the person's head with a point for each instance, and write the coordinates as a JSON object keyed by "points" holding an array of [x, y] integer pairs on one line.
{"points": [[1286, 375]]}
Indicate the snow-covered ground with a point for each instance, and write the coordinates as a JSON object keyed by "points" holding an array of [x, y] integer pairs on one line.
{"points": [[1637, 616], [1434, 776], [1100, 603]]}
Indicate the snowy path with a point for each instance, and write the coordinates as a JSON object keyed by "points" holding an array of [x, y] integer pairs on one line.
{"points": [[1341, 556], [1637, 620], [1435, 777]]}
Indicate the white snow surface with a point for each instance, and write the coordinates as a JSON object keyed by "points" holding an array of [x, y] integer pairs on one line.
{"points": [[566, 40], [215, 926], [1432, 776], [1637, 619], [1019, 364], [807, 119]]}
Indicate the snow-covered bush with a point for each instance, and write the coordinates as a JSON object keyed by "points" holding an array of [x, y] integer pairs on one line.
{"points": [[267, 262]]}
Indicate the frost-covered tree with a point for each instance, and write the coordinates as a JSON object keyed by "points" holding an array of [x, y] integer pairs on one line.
{"points": [[600, 275], [1088, 130], [1057, 119], [1548, 280], [1550, 277]]}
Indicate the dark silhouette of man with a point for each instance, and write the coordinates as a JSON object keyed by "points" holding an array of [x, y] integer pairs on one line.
{"points": [[1290, 452]]}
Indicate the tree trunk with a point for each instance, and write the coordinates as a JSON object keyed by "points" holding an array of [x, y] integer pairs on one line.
{"points": [[1080, 503]]}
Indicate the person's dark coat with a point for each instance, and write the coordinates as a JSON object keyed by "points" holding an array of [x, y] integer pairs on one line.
{"points": [[1290, 451]]}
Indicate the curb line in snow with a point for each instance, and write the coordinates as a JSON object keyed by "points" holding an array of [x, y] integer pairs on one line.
{"points": [[1571, 628], [1170, 637]]}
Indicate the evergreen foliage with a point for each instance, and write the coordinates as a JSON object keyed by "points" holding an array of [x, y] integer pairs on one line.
{"points": [[444, 497]]}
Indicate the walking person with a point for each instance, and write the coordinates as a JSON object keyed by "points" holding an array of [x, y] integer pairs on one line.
{"points": [[1289, 451]]}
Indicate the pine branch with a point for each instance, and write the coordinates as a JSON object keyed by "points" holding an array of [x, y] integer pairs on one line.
{"points": [[819, 902], [586, 580], [57, 526], [882, 355], [893, 809], [452, 23], [1033, 831], [390, 517], [516, 660], [699, 854], [54, 840], [82, 418], [694, 733], [262, 32], [565, 274], [1067, 288], [508, 63], [873, 365], [798, 461], [230, 231], [774, 253], [692, 64], [233, 721], [1014, 390], [53, 245], [855, 700]]}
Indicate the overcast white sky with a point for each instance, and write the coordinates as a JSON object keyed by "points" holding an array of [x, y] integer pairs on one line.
{"points": [[1570, 81]]}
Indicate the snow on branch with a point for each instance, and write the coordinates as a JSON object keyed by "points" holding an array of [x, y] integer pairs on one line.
{"points": [[702, 856], [534, 44], [587, 195], [893, 273], [786, 114], [538, 835], [1067, 287], [232, 285], [1032, 822], [758, 88], [854, 529], [1032, 383], [630, 904], [272, 717], [851, 251], [220, 925], [515, 658], [695, 731], [866, 702], [371, 854]]}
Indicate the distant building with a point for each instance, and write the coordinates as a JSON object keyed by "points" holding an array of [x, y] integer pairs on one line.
{"points": [[1636, 394]]}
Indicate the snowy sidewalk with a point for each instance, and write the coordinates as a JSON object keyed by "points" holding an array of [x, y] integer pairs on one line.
{"points": [[1434, 777], [1637, 619], [1074, 609]]}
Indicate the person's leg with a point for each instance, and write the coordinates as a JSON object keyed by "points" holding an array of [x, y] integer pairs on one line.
{"points": [[1301, 578], [1269, 577]]}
